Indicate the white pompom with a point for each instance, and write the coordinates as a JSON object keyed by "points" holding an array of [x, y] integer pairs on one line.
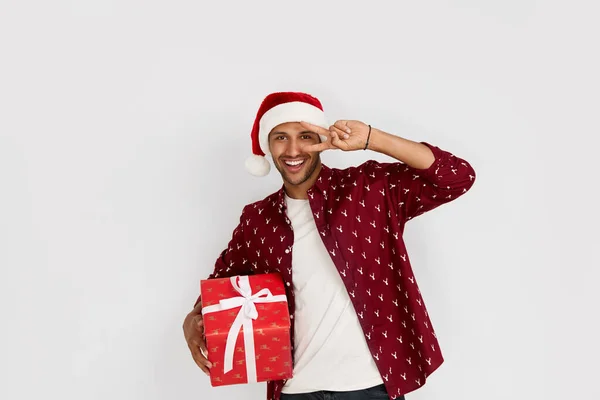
{"points": [[258, 165]]}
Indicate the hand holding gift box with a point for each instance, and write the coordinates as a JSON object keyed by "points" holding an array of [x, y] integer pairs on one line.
{"points": [[247, 329]]}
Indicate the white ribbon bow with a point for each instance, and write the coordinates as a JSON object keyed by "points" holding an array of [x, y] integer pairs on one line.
{"points": [[244, 318]]}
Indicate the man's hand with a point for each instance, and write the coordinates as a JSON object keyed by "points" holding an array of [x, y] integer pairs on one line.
{"points": [[344, 135], [193, 330], [352, 135]]}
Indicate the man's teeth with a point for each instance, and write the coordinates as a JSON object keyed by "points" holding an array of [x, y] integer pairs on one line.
{"points": [[294, 163]]}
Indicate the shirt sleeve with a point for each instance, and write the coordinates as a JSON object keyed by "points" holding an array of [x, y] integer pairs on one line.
{"points": [[416, 191], [232, 260]]}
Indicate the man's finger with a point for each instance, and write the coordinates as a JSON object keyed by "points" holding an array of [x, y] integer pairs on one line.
{"points": [[202, 345], [198, 353], [201, 365], [318, 147], [315, 128], [198, 322], [199, 358], [339, 132], [337, 142], [343, 126]]}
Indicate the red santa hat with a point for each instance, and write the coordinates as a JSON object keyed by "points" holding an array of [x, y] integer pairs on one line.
{"points": [[278, 108]]}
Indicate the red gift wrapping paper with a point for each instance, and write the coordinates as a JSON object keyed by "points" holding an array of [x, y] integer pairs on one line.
{"points": [[271, 332]]}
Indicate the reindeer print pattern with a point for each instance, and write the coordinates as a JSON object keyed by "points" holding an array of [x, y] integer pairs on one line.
{"points": [[360, 213]]}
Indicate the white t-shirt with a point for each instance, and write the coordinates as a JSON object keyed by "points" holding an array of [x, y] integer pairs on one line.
{"points": [[330, 349]]}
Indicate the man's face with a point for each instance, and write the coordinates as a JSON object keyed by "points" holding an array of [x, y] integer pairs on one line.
{"points": [[286, 142]]}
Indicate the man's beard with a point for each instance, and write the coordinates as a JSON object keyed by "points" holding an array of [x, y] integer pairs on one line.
{"points": [[310, 169]]}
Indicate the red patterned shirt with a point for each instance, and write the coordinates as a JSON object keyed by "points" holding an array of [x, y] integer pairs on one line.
{"points": [[361, 213]]}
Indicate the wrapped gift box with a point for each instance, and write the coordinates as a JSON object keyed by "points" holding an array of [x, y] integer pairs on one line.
{"points": [[247, 329]]}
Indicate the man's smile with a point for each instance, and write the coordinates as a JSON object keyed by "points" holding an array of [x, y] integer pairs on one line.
{"points": [[294, 165]]}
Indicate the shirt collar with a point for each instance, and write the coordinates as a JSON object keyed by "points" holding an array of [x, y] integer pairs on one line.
{"points": [[322, 184]]}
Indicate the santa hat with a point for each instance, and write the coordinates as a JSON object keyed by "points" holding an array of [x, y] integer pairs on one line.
{"points": [[278, 108]]}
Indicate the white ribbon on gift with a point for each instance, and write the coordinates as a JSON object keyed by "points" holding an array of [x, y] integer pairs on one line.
{"points": [[246, 315]]}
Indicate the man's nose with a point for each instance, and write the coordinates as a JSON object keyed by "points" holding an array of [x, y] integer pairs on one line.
{"points": [[294, 148]]}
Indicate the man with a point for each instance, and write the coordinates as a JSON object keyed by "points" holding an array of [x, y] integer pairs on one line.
{"points": [[360, 329]]}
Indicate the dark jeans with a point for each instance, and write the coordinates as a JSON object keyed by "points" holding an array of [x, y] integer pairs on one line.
{"points": [[372, 393]]}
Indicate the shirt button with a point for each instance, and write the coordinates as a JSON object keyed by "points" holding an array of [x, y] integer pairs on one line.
{"points": [[287, 283], [287, 251], [292, 316]]}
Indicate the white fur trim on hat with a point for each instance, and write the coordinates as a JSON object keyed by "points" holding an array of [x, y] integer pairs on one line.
{"points": [[258, 165], [294, 111]]}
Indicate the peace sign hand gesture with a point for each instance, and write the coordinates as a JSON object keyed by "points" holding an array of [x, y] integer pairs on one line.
{"points": [[344, 135]]}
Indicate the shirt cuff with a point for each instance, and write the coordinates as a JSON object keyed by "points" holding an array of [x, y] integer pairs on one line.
{"points": [[439, 155]]}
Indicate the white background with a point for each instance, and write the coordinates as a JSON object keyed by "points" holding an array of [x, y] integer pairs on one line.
{"points": [[124, 126]]}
